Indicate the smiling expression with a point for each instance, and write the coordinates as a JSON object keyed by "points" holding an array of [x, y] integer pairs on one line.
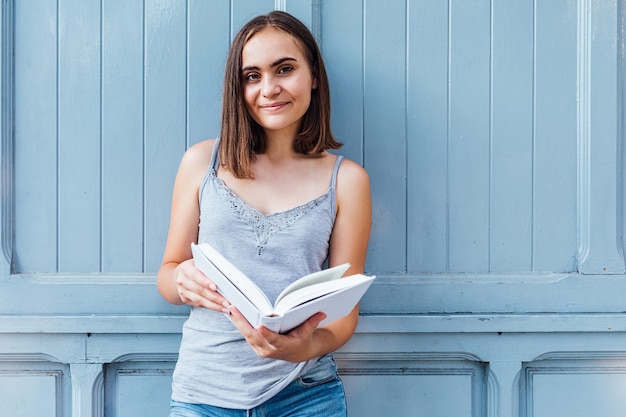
{"points": [[277, 81]]}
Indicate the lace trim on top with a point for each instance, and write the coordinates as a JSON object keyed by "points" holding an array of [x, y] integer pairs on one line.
{"points": [[264, 226]]}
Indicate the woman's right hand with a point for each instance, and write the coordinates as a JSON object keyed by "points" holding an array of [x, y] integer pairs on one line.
{"points": [[195, 289]]}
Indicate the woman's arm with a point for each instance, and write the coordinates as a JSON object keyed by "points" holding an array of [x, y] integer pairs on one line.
{"points": [[348, 243], [178, 280]]}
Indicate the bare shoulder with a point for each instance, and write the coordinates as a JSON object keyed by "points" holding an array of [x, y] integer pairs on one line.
{"points": [[194, 164], [353, 186], [199, 154], [351, 175]]}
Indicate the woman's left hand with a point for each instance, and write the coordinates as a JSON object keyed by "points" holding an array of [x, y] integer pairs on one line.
{"points": [[295, 346]]}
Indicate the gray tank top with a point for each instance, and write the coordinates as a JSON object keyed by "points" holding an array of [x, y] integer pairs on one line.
{"points": [[215, 365]]}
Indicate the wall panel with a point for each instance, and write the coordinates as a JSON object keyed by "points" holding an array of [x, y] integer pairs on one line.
{"points": [[427, 132], [384, 106], [554, 197], [468, 137], [35, 118], [122, 134], [599, 137], [575, 388], [344, 20], [412, 386], [34, 389], [206, 56], [165, 84], [79, 61], [511, 148], [243, 10], [138, 388]]}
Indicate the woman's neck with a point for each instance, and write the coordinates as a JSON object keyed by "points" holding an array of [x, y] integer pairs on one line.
{"points": [[279, 146]]}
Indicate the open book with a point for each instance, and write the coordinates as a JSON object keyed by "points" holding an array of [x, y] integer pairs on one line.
{"points": [[319, 291]]}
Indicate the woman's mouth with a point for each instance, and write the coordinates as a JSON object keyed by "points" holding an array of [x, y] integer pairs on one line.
{"points": [[274, 106]]}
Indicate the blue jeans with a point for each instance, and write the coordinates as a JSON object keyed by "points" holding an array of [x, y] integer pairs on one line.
{"points": [[302, 398]]}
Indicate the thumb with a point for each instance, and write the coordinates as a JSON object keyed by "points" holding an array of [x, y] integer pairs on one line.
{"points": [[315, 320]]}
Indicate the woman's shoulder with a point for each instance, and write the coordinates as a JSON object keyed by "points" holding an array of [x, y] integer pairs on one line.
{"points": [[200, 153], [353, 183], [352, 173], [201, 149], [196, 160]]}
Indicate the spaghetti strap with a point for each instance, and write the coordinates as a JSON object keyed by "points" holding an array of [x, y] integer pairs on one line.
{"points": [[215, 156], [333, 180], [213, 166]]}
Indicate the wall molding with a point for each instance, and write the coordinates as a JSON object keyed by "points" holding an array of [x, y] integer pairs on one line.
{"points": [[28, 357], [451, 295], [373, 324], [146, 357], [581, 356], [401, 357]]}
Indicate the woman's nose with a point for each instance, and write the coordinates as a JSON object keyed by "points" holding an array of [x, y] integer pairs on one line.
{"points": [[270, 87]]}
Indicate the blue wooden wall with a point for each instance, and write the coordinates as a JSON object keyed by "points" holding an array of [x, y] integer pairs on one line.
{"points": [[493, 132]]}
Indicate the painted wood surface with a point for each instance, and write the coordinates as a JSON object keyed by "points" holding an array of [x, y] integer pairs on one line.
{"points": [[493, 135]]}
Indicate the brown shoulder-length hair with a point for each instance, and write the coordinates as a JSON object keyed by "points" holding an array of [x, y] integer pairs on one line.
{"points": [[241, 137]]}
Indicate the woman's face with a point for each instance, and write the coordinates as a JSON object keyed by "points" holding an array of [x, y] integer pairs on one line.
{"points": [[277, 81]]}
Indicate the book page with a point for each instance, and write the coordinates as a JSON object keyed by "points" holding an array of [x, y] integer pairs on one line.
{"points": [[311, 292], [236, 278], [324, 275]]}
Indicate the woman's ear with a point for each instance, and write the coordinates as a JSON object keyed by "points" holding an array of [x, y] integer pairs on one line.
{"points": [[314, 86]]}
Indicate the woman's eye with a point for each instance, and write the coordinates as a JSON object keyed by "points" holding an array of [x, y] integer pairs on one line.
{"points": [[285, 69], [252, 77]]}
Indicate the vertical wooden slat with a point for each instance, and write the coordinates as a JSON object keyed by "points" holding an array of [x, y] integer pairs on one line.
{"points": [[344, 20], [511, 137], [79, 136], [468, 140], [427, 103], [122, 136], [621, 132], [385, 133], [165, 84], [206, 57], [554, 225], [244, 10], [599, 76], [35, 241], [304, 10], [7, 129]]}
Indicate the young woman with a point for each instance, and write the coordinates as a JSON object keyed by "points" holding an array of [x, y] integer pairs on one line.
{"points": [[271, 198]]}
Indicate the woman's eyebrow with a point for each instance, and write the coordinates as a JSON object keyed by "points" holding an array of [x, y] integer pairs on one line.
{"points": [[272, 65]]}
